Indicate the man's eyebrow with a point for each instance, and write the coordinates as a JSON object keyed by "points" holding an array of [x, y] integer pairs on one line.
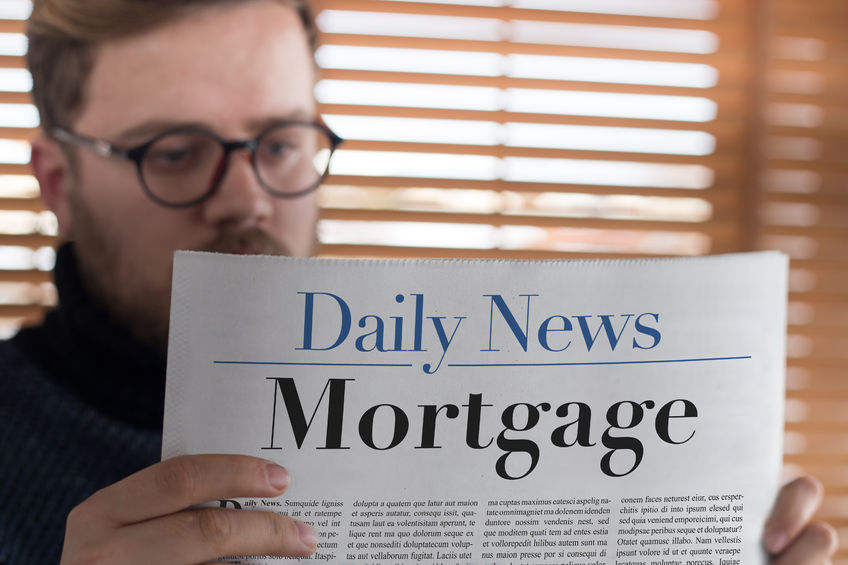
{"points": [[146, 130], [298, 115]]}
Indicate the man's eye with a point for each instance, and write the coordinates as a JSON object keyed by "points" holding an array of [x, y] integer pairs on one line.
{"points": [[275, 149], [170, 157]]}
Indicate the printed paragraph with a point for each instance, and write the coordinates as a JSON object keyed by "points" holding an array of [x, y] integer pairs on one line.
{"points": [[680, 530]]}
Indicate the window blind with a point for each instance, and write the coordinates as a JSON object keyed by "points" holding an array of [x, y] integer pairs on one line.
{"points": [[803, 210], [540, 129], [26, 231]]}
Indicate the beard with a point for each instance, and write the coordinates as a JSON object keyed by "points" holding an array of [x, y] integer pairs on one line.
{"points": [[252, 241], [120, 285]]}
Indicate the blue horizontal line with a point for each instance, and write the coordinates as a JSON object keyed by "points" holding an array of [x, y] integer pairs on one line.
{"points": [[573, 364], [313, 364]]}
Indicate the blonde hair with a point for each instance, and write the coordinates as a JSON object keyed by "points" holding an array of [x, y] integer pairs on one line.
{"points": [[64, 33]]}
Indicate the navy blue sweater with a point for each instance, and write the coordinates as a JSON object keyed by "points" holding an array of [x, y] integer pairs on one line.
{"points": [[80, 408]]}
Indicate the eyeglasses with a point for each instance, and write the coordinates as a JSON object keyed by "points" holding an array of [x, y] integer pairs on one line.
{"points": [[184, 166]]}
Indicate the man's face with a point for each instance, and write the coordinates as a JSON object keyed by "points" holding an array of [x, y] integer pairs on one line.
{"points": [[233, 70]]}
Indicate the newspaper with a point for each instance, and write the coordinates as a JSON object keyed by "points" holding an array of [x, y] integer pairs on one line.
{"points": [[448, 411]]}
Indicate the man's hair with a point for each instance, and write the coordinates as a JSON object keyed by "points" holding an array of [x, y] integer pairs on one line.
{"points": [[63, 35]]}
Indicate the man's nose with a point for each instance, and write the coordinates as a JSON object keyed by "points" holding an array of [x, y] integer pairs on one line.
{"points": [[240, 200]]}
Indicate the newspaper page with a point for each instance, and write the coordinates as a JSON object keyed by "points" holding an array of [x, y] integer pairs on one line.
{"points": [[617, 412]]}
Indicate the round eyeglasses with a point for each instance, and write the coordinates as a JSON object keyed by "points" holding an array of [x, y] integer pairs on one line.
{"points": [[184, 166]]}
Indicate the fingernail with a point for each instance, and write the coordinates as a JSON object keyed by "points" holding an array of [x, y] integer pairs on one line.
{"points": [[277, 476], [776, 541], [307, 534]]}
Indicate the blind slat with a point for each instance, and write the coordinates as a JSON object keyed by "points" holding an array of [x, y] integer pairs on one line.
{"points": [[17, 134], [25, 276], [29, 313], [727, 26], [715, 229], [15, 97], [726, 127], [12, 26], [720, 162], [11, 62], [34, 241], [730, 61], [14, 169], [727, 89], [716, 194], [22, 204]]}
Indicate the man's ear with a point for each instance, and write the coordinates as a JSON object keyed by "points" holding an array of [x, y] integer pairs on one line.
{"points": [[53, 171]]}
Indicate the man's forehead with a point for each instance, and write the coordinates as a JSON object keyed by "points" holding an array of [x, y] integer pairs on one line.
{"points": [[241, 31], [250, 59]]}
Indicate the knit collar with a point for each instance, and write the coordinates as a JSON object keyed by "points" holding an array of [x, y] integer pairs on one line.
{"points": [[94, 357]]}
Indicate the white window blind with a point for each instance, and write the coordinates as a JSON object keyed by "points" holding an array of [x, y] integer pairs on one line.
{"points": [[803, 210], [540, 129], [26, 230]]}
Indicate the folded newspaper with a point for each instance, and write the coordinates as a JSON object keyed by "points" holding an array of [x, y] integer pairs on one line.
{"points": [[448, 411]]}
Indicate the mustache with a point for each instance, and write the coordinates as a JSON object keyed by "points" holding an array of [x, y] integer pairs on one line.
{"points": [[251, 241]]}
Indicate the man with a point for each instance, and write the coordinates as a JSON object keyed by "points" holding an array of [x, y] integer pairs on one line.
{"points": [[131, 94]]}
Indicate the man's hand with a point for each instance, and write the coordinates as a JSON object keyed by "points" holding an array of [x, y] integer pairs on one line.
{"points": [[146, 518], [789, 535]]}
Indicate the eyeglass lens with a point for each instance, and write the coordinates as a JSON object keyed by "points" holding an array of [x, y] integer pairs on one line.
{"points": [[182, 167]]}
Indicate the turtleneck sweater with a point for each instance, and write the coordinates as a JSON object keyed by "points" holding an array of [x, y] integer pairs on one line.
{"points": [[81, 405]]}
